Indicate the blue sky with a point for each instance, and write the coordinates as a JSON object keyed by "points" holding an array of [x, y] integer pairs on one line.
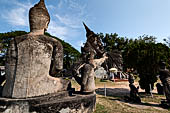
{"points": [[128, 18]]}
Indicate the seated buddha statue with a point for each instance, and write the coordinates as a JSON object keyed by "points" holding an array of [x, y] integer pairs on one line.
{"points": [[33, 60]]}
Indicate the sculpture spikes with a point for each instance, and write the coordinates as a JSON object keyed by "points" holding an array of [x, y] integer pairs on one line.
{"points": [[41, 4], [42, 1], [88, 31]]}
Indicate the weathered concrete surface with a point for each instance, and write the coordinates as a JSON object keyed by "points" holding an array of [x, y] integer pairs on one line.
{"points": [[31, 59], [74, 104], [88, 83], [15, 107], [50, 104]]}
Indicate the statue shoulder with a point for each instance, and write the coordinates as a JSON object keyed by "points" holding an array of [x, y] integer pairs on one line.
{"points": [[51, 40], [19, 39]]}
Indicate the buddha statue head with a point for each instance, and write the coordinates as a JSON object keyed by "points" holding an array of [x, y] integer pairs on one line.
{"points": [[39, 18]]}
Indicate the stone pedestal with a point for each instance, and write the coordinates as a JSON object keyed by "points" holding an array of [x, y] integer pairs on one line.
{"points": [[53, 103]]}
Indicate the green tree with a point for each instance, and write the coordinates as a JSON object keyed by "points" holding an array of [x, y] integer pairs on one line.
{"points": [[142, 54], [4, 41], [70, 53], [113, 42]]}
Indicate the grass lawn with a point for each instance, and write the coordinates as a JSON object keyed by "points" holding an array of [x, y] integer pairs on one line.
{"points": [[116, 105]]}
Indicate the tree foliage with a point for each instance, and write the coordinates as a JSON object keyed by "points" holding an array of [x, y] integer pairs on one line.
{"points": [[70, 53], [4, 41], [142, 54]]}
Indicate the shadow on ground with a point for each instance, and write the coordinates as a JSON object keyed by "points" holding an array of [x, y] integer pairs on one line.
{"points": [[115, 92]]}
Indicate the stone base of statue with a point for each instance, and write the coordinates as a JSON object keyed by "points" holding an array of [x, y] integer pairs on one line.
{"points": [[61, 102]]}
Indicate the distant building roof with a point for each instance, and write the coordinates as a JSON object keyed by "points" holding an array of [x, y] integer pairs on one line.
{"points": [[2, 67], [113, 69]]}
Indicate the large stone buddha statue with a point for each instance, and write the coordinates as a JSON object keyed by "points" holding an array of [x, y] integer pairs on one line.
{"points": [[34, 59]]}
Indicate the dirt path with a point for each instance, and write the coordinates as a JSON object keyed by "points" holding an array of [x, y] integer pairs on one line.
{"points": [[121, 89], [123, 85]]}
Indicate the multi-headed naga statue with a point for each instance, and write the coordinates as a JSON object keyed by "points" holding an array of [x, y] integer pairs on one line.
{"points": [[92, 55], [33, 59]]}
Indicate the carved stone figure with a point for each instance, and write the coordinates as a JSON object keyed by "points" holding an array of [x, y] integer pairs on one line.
{"points": [[114, 60], [165, 79], [34, 59], [131, 79], [87, 71], [93, 47], [134, 96], [160, 88]]}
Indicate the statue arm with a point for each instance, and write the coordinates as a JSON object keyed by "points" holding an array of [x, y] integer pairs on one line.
{"points": [[57, 59], [100, 61], [86, 73], [78, 80], [76, 72]]}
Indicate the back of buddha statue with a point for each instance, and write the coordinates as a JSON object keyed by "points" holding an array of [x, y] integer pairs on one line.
{"points": [[33, 59]]}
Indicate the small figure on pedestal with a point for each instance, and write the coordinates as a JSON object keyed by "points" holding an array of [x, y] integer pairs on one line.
{"points": [[134, 96]]}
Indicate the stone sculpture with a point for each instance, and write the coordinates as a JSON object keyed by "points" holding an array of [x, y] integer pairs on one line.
{"points": [[114, 60], [159, 87], [92, 48], [32, 62], [87, 71], [34, 59], [134, 96], [94, 41], [165, 79]]}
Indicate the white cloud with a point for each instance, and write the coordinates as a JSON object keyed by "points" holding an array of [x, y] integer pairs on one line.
{"points": [[73, 14], [26, 6], [66, 19], [51, 7], [60, 4], [69, 21], [79, 8], [81, 43], [17, 16], [62, 32], [56, 30]]}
